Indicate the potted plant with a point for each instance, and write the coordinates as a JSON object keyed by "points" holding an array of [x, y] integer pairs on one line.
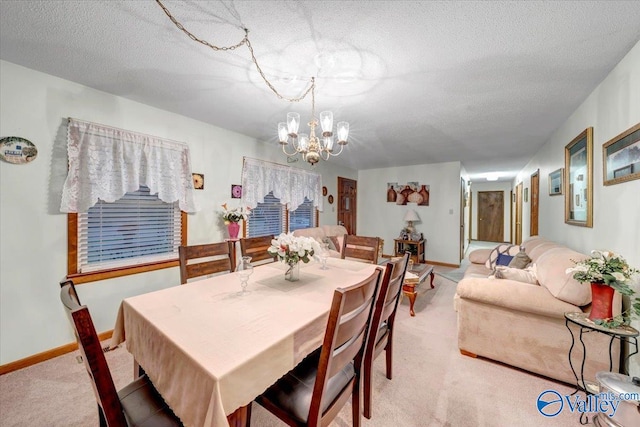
{"points": [[607, 272], [232, 218]]}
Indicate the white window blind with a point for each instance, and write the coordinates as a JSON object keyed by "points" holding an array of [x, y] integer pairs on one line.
{"points": [[303, 217], [267, 218], [139, 228]]}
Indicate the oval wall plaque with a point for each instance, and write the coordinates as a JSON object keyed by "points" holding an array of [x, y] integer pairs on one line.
{"points": [[14, 149]]}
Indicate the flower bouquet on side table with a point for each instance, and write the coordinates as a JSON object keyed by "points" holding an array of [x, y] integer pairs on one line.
{"points": [[232, 218], [291, 250], [607, 272]]}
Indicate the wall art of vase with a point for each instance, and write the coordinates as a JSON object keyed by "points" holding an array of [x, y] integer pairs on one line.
{"points": [[424, 192]]}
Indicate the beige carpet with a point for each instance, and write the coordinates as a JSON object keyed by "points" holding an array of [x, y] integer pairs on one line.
{"points": [[433, 384]]}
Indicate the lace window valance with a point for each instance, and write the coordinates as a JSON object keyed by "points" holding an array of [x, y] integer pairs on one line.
{"points": [[105, 163], [290, 185]]}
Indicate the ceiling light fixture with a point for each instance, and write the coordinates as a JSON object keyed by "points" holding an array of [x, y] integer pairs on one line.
{"points": [[309, 146]]}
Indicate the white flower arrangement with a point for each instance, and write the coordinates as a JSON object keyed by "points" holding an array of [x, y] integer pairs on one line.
{"points": [[292, 249], [234, 215], [604, 267]]}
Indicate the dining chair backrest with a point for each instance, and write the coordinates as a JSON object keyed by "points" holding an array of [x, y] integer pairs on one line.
{"points": [[202, 260], [93, 357], [382, 323], [360, 248], [256, 248], [344, 343]]}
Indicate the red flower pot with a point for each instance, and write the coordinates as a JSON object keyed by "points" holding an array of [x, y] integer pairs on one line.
{"points": [[601, 301], [233, 228]]}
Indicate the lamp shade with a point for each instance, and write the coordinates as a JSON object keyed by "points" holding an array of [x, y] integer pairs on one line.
{"points": [[411, 215]]}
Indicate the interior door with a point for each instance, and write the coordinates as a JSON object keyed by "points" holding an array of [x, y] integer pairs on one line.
{"points": [[463, 188], [535, 195], [491, 216], [518, 214], [347, 203]]}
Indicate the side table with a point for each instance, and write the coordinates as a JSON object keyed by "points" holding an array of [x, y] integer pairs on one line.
{"points": [[621, 333], [409, 289]]}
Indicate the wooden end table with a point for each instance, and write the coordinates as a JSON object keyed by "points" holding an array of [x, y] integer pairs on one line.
{"points": [[409, 289]]}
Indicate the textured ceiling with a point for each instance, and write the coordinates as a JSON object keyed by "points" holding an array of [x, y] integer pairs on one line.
{"points": [[484, 83]]}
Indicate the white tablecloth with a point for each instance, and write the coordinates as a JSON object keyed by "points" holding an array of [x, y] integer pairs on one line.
{"points": [[209, 350]]}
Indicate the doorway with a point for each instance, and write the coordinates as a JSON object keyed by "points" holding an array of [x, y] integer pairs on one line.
{"points": [[347, 203], [491, 216], [463, 197], [518, 214], [535, 195]]}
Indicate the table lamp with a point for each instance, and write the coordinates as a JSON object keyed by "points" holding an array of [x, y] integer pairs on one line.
{"points": [[411, 216]]}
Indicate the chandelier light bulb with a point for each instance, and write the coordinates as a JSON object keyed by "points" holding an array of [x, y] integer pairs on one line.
{"points": [[303, 142], [326, 121], [343, 132], [283, 132], [293, 124], [328, 143]]}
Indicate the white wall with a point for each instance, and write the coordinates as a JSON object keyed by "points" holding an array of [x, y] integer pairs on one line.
{"points": [[33, 248], [440, 221], [613, 107], [505, 187]]}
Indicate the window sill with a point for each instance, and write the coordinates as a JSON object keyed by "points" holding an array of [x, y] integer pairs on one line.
{"points": [[119, 272]]}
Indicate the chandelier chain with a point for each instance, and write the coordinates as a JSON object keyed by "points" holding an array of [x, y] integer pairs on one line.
{"points": [[244, 41]]}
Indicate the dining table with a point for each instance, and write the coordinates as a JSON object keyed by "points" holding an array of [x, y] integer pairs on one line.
{"points": [[210, 349]]}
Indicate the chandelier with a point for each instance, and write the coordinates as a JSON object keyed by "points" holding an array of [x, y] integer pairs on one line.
{"points": [[309, 146]]}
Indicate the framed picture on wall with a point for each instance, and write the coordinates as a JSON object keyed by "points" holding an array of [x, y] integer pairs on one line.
{"points": [[578, 174], [621, 157], [556, 182]]}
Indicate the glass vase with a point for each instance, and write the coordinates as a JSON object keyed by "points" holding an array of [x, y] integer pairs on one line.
{"points": [[293, 272]]}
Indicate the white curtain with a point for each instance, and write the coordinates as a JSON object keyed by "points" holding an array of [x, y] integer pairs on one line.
{"points": [[105, 163], [289, 185]]}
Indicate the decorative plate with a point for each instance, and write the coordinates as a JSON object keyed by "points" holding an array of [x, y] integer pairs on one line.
{"points": [[236, 191], [14, 149], [324, 191], [198, 181], [330, 199]]}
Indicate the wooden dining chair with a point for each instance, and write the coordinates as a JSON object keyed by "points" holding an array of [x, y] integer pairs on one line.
{"points": [[361, 248], [202, 260], [382, 322], [256, 248], [137, 404], [313, 393]]}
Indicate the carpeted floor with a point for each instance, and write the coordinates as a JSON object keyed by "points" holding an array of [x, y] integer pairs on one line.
{"points": [[433, 384]]}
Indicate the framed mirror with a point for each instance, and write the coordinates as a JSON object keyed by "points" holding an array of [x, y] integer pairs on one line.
{"points": [[578, 178], [621, 157]]}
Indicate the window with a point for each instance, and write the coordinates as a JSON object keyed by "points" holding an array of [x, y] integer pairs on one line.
{"points": [[268, 218], [137, 233], [303, 217], [272, 218]]}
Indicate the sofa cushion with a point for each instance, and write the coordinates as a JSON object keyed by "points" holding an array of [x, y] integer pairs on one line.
{"points": [[532, 242], [334, 230], [314, 232], [479, 256], [505, 249], [540, 249], [551, 266]]}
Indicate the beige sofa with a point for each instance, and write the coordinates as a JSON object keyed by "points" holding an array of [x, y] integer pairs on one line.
{"points": [[523, 324], [323, 232]]}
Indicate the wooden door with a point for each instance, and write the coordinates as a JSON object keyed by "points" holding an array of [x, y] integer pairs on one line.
{"points": [[535, 195], [518, 214], [347, 203], [463, 188], [491, 216]]}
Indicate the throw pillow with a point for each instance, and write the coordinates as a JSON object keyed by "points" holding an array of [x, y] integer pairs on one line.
{"points": [[506, 249], [520, 260], [525, 276], [503, 259]]}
